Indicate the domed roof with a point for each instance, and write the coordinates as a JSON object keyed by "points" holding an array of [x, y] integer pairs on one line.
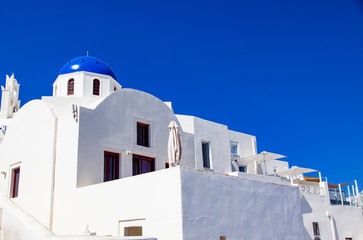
{"points": [[87, 64]]}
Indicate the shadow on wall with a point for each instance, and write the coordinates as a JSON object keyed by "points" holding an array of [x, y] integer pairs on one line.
{"points": [[335, 228], [307, 235], [259, 169], [305, 207]]}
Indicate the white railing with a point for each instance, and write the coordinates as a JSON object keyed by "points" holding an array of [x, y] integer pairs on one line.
{"points": [[317, 190]]}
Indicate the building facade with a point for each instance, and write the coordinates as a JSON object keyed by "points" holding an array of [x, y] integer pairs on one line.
{"points": [[91, 161]]}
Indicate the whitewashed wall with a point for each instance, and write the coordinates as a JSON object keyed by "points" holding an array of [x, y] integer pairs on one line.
{"points": [[314, 209], [344, 221], [112, 127], [29, 143], [219, 138], [155, 197], [218, 205], [349, 221], [83, 84]]}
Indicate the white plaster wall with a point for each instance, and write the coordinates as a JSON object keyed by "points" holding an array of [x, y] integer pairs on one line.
{"points": [[155, 197], [349, 221], [29, 143], [217, 205], [219, 138], [61, 84], [16, 224], [278, 164], [83, 84], [107, 84], [246, 147], [314, 208], [112, 127]]}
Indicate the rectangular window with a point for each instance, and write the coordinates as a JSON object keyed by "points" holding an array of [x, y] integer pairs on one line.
{"points": [[15, 175], [242, 168], [206, 155], [234, 148], [133, 231], [316, 228], [111, 166], [143, 134], [142, 164]]}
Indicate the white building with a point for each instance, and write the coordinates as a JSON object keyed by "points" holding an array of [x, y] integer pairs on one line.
{"points": [[91, 162]]}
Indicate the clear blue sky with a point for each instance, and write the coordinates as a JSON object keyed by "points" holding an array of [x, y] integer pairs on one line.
{"points": [[288, 72]]}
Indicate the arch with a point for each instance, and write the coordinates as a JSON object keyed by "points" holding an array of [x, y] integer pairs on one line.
{"points": [[96, 87], [70, 86]]}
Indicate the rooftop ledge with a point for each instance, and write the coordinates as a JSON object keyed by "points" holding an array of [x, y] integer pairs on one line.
{"points": [[99, 238], [262, 178]]}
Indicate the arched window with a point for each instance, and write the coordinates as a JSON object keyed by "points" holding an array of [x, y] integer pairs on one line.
{"points": [[96, 87], [71, 86]]}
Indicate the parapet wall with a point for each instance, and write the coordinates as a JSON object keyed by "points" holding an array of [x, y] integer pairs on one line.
{"points": [[216, 205]]}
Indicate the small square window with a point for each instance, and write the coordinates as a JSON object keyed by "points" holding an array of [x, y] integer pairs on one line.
{"points": [[242, 168], [15, 177], [111, 166], [316, 228], [143, 134]]}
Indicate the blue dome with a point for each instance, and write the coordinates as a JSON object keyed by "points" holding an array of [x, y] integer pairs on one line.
{"points": [[87, 64]]}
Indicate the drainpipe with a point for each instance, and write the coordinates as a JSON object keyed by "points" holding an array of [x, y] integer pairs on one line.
{"points": [[332, 226], [53, 174]]}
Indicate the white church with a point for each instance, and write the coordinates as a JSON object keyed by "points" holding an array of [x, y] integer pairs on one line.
{"points": [[92, 162]]}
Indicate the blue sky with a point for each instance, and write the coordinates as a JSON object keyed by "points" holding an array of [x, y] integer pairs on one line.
{"points": [[288, 72]]}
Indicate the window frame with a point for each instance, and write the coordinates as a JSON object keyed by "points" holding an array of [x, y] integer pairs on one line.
{"points": [[232, 143], [244, 167], [316, 230], [70, 87], [15, 181], [96, 87], [114, 174], [142, 137], [137, 161], [206, 156]]}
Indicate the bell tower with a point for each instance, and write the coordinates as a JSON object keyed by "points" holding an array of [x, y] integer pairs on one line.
{"points": [[10, 97]]}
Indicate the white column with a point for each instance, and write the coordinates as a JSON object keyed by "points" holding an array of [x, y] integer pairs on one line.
{"points": [[341, 195], [353, 194]]}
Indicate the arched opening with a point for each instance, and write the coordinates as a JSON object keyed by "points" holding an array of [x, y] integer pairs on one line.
{"points": [[96, 87], [71, 86]]}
